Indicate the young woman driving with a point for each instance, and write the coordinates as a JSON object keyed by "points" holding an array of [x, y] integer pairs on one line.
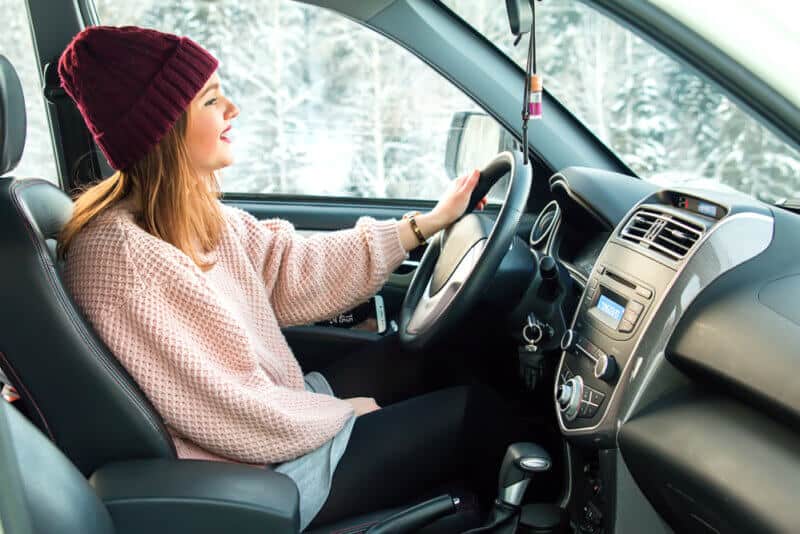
{"points": [[190, 295]]}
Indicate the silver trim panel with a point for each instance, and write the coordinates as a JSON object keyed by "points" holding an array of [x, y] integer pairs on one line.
{"points": [[729, 243], [430, 308]]}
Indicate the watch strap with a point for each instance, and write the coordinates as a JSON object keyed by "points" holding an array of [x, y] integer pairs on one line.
{"points": [[415, 228]]}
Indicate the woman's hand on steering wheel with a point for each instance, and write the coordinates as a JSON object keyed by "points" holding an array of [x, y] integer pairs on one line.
{"points": [[455, 200]]}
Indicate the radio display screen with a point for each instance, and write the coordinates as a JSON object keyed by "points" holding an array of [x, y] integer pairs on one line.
{"points": [[611, 309]]}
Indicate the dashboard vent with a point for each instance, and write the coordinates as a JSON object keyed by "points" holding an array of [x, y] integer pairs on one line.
{"points": [[662, 232]]}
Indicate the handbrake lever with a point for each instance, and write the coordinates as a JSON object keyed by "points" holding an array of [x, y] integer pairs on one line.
{"points": [[414, 518]]}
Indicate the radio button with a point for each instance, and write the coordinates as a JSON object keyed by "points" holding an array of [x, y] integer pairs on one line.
{"points": [[605, 368], [635, 307], [626, 326], [631, 316], [596, 397], [643, 291]]}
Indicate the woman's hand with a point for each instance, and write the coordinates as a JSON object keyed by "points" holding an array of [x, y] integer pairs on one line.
{"points": [[450, 207], [363, 405], [454, 201]]}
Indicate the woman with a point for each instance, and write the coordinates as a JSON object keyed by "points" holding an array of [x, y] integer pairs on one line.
{"points": [[190, 295]]}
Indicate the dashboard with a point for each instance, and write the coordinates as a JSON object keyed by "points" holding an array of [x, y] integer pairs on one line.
{"points": [[684, 320]]}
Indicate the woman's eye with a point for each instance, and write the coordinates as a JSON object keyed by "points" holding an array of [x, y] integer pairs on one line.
{"points": [[211, 102]]}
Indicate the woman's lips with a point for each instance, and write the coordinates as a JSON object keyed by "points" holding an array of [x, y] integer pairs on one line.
{"points": [[223, 136]]}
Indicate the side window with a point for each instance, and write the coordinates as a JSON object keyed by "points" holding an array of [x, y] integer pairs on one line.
{"points": [[16, 44], [327, 107], [670, 125]]}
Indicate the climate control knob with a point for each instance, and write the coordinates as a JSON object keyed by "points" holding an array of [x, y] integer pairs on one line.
{"points": [[569, 397], [605, 368], [568, 339]]}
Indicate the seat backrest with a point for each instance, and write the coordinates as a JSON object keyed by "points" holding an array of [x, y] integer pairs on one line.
{"points": [[42, 490], [71, 385]]}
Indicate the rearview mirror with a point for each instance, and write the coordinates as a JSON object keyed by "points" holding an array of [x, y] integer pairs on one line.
{"points": [[520, 16], [473, 140]]}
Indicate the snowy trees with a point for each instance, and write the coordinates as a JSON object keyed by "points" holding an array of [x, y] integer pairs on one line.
{"points": [[327, 107], [331, 108], [664, 121]]}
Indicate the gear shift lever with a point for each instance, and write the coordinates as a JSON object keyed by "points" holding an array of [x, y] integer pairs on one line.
{"points": [[522, 460]]}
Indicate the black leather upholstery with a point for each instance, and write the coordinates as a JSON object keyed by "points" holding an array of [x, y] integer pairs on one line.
{"points": [[12, 117], [71, 385], [41, 490], [176, 496]]}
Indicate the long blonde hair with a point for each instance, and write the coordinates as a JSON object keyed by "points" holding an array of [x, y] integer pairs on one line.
{"points": [[176, 204]]}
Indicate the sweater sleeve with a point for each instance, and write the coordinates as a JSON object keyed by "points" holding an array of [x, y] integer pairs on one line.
{"points": [[225, 403], [314, 278]]}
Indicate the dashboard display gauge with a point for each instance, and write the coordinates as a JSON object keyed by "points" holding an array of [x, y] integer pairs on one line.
{"points": [[544, 224]]}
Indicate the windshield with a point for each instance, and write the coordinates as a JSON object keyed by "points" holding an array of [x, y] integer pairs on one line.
{"points": [[665, 122]]}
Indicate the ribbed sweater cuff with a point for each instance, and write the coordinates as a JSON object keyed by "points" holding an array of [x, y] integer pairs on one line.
{"points": [[387, 239]]}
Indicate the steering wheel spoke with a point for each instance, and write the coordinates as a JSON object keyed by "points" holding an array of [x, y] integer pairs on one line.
{"points": [[430, 307]]}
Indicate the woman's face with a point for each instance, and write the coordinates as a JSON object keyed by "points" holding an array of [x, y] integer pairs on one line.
{"points": [[210, 115]]}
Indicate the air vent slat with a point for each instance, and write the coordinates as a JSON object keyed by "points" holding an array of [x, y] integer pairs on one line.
{"points": [[662, 232], [678, 247]]}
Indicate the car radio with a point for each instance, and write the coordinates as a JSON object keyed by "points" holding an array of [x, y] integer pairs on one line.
{"points": [[597, 347], [615, 302]]}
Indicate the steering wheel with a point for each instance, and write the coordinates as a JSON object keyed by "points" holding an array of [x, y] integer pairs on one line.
{"points": [[461, 260]]}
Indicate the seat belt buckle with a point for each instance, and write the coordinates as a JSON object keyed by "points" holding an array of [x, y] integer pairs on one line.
{"points": [[9, 393]]}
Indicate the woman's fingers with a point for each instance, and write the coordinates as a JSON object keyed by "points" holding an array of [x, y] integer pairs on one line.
{"points": [[469, 182]]}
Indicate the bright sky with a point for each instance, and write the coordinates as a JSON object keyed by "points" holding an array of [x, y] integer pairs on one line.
{"points": [[762, 35]]}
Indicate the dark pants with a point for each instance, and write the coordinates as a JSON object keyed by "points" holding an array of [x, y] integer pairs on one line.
{"points": [[410, 448]]}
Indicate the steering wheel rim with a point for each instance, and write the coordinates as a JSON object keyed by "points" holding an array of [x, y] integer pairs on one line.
{"points": [[443, 289]]}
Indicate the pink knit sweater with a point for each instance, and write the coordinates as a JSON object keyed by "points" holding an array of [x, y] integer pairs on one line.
{"points": [[206, 348]]}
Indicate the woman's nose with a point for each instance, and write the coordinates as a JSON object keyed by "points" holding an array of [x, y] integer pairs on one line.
{"points": [[232, 110]]}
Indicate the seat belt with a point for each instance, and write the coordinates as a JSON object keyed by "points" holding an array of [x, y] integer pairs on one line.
{"points": [[81, 162]]}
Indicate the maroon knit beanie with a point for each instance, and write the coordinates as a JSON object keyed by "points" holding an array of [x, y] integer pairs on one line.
{"points": [[131, 85]]}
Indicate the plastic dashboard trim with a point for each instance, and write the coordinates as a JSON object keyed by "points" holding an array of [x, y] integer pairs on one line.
{"points": [[742, 256]]}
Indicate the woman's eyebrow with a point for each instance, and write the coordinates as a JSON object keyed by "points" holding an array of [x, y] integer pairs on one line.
{"points": [[209, 88]]}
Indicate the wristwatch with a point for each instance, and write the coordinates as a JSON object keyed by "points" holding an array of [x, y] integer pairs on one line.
{"points": [[410, 217]]}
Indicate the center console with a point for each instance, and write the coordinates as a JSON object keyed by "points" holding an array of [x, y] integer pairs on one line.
{"points": [[637, 283], [663, 253], [618, 301]]}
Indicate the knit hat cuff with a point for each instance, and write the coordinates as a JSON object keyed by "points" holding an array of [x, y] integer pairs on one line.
{"points": [[159, 106]]}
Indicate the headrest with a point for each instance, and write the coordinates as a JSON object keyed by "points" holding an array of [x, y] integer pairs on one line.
{"points": [[12, 117]]}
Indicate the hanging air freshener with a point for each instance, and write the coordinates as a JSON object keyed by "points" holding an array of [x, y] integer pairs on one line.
{"points": [[532, 99], [535, 97]]}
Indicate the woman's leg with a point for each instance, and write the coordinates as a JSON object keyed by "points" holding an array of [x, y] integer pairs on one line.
{"points": [[382, 370], [399, 453]]}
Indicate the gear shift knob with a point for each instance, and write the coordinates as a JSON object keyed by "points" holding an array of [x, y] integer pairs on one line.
{"points": [[519, 464]]}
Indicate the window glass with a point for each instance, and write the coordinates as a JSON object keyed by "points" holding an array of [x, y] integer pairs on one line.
{"points": [[668, 124], [17, 45], [327, 107]]}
